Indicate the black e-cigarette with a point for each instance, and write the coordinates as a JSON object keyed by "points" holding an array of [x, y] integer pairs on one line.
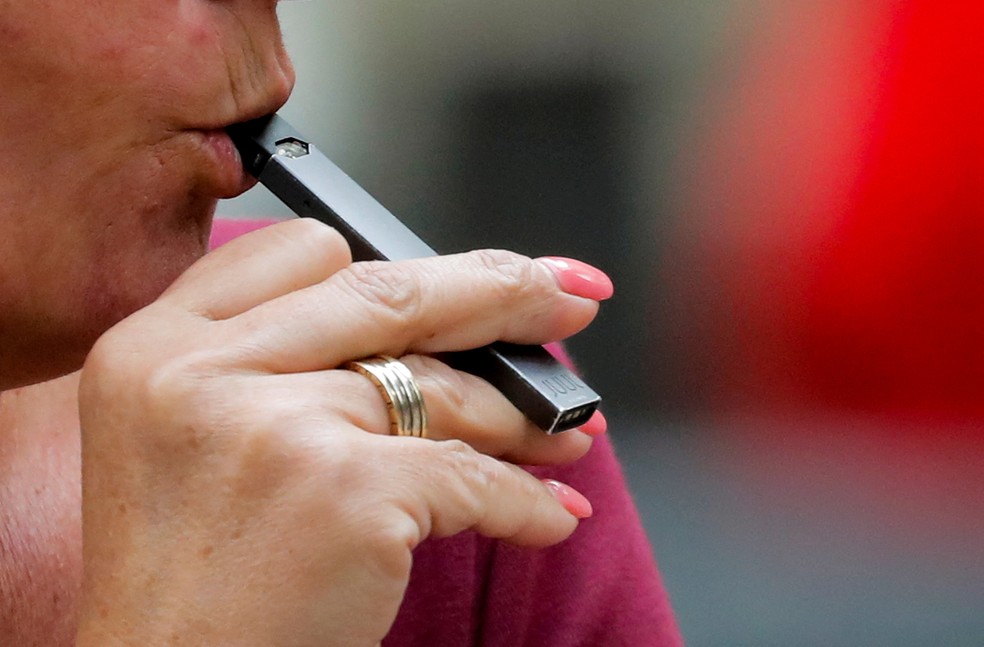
{"points": [[550, 395]]}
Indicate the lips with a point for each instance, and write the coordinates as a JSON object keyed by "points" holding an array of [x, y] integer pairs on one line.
{"points": [[225, 170]]}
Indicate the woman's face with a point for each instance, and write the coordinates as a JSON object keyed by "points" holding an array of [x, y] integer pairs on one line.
{"points": [[112, 155]]}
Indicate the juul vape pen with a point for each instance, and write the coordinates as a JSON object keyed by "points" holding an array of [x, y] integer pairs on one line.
{"points": [[293, 169]]}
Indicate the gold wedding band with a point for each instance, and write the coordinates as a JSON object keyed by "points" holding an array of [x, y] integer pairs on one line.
{"points": [[404, 402]]}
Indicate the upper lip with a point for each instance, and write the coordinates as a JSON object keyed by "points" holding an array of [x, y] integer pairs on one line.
{"points": [[239, 118], [260, 110], [257, 110], [261, 106]]}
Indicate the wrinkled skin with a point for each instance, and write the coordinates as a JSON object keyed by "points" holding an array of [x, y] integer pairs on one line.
{"points": [[237, 487], [105, 197], [103, 158]]}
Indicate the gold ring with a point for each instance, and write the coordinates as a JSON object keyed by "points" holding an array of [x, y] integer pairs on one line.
{"points": [[404, 402]]}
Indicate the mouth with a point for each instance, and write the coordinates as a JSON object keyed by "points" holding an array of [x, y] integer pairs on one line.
{"points": [[222, 170], [224, 167]]}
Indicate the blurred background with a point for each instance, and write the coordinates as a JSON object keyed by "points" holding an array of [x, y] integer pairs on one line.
{"points": [[790, 198]]}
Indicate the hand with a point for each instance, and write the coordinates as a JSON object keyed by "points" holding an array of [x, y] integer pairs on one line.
{"points": [[231, 492]]}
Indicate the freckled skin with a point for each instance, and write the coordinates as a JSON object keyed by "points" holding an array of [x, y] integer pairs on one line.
{"points": [[106, 193], [40, 506], [228, 498]]}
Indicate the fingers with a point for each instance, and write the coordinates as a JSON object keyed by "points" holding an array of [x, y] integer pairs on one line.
{"points": [[314, 310], [457, 488], [424, 306], [258, 267], [462, 406], [459, 406]]}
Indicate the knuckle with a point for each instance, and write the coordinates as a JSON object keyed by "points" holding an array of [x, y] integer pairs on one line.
{"points": [[513, 273], [121, 371], [114, 362], [458, 452], [265, 460], [102, 357], [177, 404], [170, 382], [390, 543], [466, 485], [384, 287], [478, 471], [442, 382]]}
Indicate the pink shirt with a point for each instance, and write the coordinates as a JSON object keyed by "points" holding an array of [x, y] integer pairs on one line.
{"points": [[600, 588]]}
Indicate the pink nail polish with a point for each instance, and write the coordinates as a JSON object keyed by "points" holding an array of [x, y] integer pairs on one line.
{"points": [[579, 279], [596, 425], [572, 500]]}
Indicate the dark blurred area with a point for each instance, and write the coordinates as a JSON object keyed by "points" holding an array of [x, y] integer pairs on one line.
{"points": [[790, 199]]}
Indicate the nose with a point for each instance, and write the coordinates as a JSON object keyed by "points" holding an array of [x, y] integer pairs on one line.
{"points": [[264, 74]]}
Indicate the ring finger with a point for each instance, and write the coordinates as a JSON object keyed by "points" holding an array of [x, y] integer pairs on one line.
{"points": [[459, 406]]}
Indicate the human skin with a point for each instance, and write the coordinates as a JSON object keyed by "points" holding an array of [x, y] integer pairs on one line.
{"points": [[238, 488], [105, 162]]}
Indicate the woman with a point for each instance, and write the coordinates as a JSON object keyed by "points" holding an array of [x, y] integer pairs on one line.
{"points": [[239, 485]]}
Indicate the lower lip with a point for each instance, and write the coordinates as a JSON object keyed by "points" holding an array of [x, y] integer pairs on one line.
{"points": [[228, 175]]}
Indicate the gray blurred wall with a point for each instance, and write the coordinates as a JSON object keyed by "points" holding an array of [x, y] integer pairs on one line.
{"points": [[548, 127]]}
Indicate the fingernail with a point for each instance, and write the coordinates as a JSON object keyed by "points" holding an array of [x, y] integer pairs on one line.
{"points": [[572, 500], [596, 425], [579, 279]]}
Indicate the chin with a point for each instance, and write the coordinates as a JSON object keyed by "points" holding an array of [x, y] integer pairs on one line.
{"points": [[146, 264], [128, 239], [132, 270]]}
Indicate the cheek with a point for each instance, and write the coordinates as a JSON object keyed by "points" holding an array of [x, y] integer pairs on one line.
{"points": [[146, 70], [13, 34], [188, 68]]}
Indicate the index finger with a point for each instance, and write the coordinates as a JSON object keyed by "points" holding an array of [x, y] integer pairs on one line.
{"points": [[427, 306]]}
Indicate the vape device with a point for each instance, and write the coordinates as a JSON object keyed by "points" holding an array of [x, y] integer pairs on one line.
{"points": [[293, 169]]}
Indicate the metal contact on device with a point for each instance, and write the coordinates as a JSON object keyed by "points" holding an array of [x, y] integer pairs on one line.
{"points": [[292, 148], [294, 170]]}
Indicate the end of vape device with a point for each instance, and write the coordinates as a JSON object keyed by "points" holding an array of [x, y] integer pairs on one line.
{"points": [[547, 393], [295, 171]]}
